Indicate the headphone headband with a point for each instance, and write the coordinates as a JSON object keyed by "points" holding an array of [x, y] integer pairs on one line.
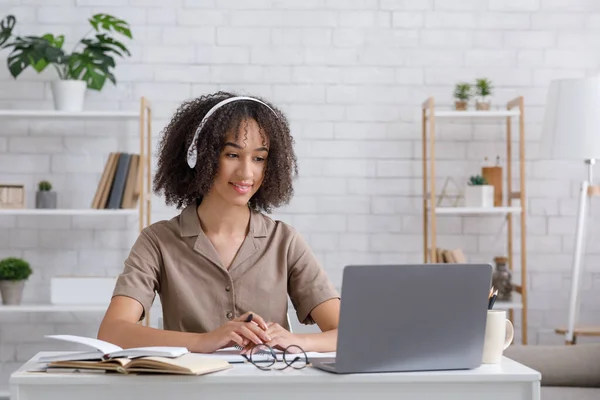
{"points": [[192, 153]]}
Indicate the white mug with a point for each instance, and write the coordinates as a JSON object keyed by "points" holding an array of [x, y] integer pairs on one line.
{"points": [[499, 334]]}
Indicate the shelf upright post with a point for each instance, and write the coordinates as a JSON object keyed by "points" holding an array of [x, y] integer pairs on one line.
{"points": [[429, 119], [523, 200], [145, 171], [424, 178], [509, 216], [518, 102]]}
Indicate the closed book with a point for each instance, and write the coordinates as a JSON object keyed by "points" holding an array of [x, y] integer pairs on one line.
{"points": [[118, 187]]}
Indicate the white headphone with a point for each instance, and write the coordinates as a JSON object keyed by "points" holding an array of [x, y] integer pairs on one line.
{"points": [[192, 153]]}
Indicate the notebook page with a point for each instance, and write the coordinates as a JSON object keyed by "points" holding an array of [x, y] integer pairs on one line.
{"points": [[156, 351], [100, 345], [233, 355]]}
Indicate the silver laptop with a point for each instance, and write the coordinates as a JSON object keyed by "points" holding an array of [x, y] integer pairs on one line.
{"points": [[420, 317]]}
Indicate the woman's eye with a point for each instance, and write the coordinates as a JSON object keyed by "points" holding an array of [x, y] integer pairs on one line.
{"points": [[259, 159], [231, 155]]}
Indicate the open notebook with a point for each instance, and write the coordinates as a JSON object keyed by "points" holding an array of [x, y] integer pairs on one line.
{"points": [[232, 355], [106, 351], [186, 364]]}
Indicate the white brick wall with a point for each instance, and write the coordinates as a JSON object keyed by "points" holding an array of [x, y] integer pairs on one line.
{"points": [[350, 75]]}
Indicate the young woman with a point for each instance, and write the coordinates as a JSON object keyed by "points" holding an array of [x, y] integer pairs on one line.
{"points": [[225, 161]]}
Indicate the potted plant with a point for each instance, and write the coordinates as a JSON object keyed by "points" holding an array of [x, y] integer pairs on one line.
{"points": [[13, 274], [462, 94], [483, 89], [478, 193], [88, 65], [45, 197]]}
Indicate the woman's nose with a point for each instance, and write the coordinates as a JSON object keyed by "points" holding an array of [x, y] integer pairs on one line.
{"points": [[245, 169]]}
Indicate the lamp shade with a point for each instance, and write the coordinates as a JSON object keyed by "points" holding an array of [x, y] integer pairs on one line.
{"points": [[571, 129]]}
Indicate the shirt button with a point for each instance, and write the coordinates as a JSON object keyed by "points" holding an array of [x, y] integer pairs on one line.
{"points": [[229, 315], [228, 288]]}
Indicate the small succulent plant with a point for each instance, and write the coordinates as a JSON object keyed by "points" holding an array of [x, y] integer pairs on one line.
{"points": [[462, 91], [44, 186], [477, 180], [483, 87], [14, 269]]}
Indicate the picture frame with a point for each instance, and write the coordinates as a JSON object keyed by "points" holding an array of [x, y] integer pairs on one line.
{"points": [[12, 196]]}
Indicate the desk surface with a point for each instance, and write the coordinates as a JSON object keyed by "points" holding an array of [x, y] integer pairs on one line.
{"points": [[507, 371]]}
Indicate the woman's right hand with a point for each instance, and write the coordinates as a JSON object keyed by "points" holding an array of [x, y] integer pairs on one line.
{"points": [[236, 331]]}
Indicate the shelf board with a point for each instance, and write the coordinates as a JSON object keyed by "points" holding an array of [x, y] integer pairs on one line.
{"points": [[68, 114], [54, 308], [476, 210], [68, 211], [476, 114]]}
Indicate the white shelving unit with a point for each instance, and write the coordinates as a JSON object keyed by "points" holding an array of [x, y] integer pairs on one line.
{"points": [[70, 115], [514, 109], [475, 114], [46, 308], [68, 211], [476, 210], [144, 116], [145, 124]]}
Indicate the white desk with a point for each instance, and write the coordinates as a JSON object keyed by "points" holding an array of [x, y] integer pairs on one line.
{"points": [[508, 380]]}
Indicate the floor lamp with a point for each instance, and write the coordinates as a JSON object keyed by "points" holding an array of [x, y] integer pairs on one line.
{"points": [[571, 131]]}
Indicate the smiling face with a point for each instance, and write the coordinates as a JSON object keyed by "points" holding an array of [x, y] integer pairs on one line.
{"points": [[242, 165]]}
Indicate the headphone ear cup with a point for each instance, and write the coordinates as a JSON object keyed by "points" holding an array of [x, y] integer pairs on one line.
{"points": [[192, 153]]}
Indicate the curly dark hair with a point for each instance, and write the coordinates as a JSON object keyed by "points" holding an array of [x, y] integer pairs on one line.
{"points": [[182, 185]]}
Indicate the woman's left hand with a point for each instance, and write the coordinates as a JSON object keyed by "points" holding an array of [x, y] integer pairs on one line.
{"points": [[280, 337]]}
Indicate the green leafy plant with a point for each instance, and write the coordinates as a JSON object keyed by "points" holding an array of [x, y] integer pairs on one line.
{"points": [[44, 186], [14, 269], [462, 91], [483, 87], [91, 60], [477, 180]]}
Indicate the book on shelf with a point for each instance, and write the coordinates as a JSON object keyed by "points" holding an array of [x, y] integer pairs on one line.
{"points": [[455, 256], [119, 185], [104, 351]]}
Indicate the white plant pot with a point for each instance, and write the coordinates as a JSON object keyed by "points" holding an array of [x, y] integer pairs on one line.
{"points": [[68, 95], [479, 196]]}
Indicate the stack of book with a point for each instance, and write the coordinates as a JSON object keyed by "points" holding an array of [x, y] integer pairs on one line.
{"points": [[120, 183], [455, 256]]}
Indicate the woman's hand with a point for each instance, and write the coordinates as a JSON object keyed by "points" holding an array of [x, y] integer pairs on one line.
{"points": [[236, 331], [280, 338]]}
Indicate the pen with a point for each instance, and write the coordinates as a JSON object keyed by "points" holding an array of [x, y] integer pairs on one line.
{"points": [[492, 300]]}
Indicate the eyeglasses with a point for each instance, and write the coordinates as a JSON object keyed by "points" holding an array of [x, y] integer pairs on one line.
{"points": [[264, 357]]}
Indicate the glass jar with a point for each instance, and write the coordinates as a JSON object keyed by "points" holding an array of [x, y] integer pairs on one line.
{"points": [[502, 279]]}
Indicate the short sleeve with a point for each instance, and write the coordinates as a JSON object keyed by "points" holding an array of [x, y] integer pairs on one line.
{"points": [[308, 284], [141, 274]]}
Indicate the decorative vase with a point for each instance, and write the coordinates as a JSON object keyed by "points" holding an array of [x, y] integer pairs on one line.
{"points": [[12, 292], [482, 105], [46, 199], [493, 176], [479, 196], [68, 95], [461, 105], [502, 279]]}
